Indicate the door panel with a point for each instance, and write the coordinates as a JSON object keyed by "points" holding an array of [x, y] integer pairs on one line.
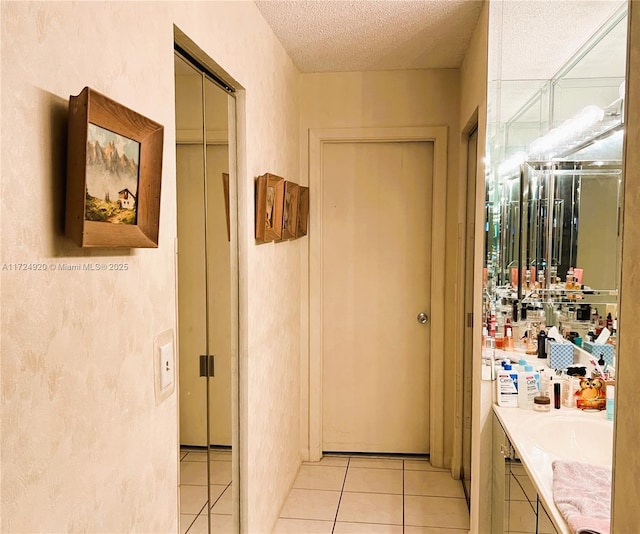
{"points": [[192, 301], [376, 242], [219, 288]]}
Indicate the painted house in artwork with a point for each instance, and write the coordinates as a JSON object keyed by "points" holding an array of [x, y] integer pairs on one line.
{"points": [[126, 199]]}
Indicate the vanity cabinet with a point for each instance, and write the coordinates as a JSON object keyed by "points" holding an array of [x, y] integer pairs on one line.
{"points": [[516, 507]]}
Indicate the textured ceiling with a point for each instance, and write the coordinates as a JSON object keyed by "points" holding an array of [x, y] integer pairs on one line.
{"points": [[539, 37], [351, 35]]}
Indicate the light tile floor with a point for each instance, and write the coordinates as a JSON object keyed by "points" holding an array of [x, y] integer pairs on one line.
{"points": [[338, 495], [368, 495], [193, 492]]}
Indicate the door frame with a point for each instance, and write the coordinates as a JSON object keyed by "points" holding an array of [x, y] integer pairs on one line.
{"points": [[237, 162], [466, 267], [317, 139]]}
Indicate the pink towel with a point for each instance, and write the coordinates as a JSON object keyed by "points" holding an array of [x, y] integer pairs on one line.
{"points": [[582, 493]]}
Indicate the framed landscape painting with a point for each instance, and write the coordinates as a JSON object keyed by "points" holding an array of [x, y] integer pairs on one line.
{"points": [[114, 172]]}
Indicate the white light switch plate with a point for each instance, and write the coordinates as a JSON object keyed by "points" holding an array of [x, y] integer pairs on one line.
{"points": [[164, 365]]}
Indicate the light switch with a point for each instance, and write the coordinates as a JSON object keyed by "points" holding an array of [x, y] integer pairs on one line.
{"points": [[166, 365]]}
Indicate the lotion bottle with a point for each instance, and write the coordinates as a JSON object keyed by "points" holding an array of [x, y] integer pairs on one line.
{"points": [[507, 384], [528, 387]]}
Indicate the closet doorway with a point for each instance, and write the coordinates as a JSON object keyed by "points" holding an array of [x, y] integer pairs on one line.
{"points": [[207, 297], [467, 355]]}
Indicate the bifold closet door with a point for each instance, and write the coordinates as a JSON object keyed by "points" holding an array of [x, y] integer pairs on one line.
{"points": [[191, 261], [192, 295]]}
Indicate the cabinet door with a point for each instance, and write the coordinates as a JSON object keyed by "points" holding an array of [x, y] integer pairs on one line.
{"points": [[522, 500], [500, 480], [514, 499], [545, 525]]}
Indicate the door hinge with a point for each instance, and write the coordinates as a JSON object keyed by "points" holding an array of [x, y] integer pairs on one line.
{"points": [[470, 320], [207, 367]]}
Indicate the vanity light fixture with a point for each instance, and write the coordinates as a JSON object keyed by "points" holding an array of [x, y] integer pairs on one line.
{"points": [[511, 165], [569, 131]]}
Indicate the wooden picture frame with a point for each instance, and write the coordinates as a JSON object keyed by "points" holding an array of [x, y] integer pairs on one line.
{"points": [[114, 174], [303, 211], [269, 205], [290, 210]]}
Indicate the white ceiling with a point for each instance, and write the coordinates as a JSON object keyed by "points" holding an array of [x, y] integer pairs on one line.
{"points": [[540, 36], [352, 35]]}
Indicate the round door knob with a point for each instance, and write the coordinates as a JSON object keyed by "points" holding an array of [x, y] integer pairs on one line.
{"points": [[422, 318]]}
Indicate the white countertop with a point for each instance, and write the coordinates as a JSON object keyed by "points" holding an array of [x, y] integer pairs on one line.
{"points": [[521, 426]]}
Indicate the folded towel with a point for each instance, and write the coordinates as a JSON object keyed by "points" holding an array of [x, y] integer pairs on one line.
{"points": [[582, 493]]}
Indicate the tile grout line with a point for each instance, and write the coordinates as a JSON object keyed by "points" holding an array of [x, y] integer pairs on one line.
{"points": [[344, 482], [194, 519], [403, 490]]}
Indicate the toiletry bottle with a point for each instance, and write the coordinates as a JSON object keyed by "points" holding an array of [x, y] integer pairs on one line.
{"points": [[544, 382], [507, 326], [492, 323], [507, 384], [557, 391], [547, 379], [573, 385], [569, 282], [542, 344], [528, 387], [611, 390], [508, 341]]}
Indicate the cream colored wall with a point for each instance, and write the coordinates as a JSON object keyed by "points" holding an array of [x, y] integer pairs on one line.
{"points": [[389, 99], [84, 446], [598, 222], [626, 485], [473, 75]]}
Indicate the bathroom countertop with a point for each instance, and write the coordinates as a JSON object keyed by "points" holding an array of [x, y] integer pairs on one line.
{"points": [[521, 426]]}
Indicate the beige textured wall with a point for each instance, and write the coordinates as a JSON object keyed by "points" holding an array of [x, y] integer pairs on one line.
{"points": [[84, 446], [626, 485], [390, 99]]}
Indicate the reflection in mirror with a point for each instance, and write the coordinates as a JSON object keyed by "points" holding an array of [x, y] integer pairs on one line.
{"points": [[205, 318], [581, 229], [553, 188]]}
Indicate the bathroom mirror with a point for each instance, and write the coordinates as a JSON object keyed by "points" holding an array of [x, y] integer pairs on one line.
{"points": [[553, 200]]}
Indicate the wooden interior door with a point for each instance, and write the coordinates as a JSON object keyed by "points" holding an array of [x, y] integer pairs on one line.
{"points": [[376, 271]]}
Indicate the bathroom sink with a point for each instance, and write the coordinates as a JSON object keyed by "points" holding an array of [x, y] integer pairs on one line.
{"points": [[583, 439]]}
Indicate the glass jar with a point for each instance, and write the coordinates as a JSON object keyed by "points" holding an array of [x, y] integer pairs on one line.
{"points": [[542, 404]]}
